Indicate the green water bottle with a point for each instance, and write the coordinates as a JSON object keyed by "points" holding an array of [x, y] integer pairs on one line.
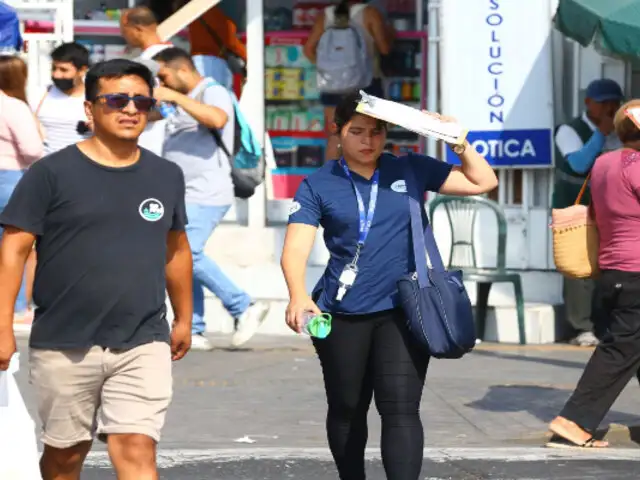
{"points": [[315, 325]]}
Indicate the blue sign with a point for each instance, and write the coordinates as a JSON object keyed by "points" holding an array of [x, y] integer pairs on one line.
{"points": [[511, 148]]}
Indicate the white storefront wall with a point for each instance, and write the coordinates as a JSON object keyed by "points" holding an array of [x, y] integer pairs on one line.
{"points": [[496, 78]]}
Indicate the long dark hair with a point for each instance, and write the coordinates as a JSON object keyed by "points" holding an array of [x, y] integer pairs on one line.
{"points": [[346, 110]]}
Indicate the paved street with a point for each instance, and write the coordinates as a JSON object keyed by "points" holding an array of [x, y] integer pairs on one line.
{"points": [[258, 413], [440, 468]]}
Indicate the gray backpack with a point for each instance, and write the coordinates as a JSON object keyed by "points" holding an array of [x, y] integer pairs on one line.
{"points": [[343, 61]]}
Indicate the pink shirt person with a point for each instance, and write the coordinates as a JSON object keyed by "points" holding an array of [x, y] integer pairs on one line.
{"points": [[615, 196], [20, 141]]}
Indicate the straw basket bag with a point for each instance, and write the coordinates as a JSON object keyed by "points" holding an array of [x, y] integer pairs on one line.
{"points": [[575, 239]]}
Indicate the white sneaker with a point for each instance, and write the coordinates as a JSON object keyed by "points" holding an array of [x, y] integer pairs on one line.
{"points": [[249, 323], [586, 339], [200, 342]]}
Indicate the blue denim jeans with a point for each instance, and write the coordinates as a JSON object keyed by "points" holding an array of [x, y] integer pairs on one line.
{"points": [[214, 67], [203, 219], [8, 181]]}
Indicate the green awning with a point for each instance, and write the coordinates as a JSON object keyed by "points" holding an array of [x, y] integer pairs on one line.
{"points": [[612, 25]]}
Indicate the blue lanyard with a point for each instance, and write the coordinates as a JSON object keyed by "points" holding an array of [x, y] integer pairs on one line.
{"points": [[366, 219]]}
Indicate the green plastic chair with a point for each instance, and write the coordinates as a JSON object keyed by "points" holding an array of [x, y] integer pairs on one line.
{"points": [[462, 213]]}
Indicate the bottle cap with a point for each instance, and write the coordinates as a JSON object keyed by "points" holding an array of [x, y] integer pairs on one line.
{"points": [[320, 325]]}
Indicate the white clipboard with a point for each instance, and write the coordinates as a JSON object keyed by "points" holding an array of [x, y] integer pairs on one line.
{"points": [[411, 119]]}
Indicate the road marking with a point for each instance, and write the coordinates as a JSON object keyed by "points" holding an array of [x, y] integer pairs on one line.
{"points": [[172, 458], [548, 347]]}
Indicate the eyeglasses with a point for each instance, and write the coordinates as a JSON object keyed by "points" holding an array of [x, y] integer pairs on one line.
{"points": [[119, 101]]}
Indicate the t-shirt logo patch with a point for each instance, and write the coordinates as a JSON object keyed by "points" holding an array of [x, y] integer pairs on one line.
{"points": [[295, 206], [151, 210], [399, 186]]}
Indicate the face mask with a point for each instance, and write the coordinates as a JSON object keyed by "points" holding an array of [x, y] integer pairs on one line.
{"points": [[63, 84]]}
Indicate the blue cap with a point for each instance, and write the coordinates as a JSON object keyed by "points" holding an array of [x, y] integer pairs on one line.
{"points": [[604, 90]]}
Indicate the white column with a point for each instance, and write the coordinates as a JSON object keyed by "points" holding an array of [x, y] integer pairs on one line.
{"points": [[576, 108], [67, 28], [433, 71], [254, 106]]}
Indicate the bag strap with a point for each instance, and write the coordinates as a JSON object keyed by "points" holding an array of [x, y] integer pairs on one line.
{"points": [[422, 238], [212, 33], [583, 189], [46, 94], [214, 132], [218, 138]]}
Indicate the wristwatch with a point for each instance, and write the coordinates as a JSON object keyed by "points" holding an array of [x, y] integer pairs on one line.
{"points": [[459, 149]]}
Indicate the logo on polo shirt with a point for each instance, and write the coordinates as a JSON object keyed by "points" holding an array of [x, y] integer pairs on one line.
{"points": [[399, 186], [151, 210], [295, 206]]}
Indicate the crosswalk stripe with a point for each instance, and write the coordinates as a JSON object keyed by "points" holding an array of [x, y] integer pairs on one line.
{"points": [[176, 457]]}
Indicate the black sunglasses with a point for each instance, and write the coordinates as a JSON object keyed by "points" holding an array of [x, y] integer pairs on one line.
{"points": [[119, 101]]}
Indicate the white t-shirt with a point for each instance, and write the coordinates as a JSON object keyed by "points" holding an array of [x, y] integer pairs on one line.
{"points": [[60, 114], [152, 137]]}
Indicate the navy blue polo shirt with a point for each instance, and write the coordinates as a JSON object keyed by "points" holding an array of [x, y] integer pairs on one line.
{"points": [[327, 198]]}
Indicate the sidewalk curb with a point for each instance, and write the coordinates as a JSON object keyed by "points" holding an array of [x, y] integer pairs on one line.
{"points": [[616, 434]]}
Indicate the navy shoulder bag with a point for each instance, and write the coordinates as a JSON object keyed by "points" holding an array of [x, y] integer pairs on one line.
{"points": [[434, 300]]}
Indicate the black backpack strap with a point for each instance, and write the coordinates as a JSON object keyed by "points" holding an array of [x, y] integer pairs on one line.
{"points": [[215, 132], [218, 138]]}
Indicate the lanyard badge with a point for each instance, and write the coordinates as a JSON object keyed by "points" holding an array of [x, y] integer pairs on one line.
{"points": [[350, 271]]}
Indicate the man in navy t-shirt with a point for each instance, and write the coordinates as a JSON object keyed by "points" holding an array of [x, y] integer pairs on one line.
{"points": [[108, 219]]}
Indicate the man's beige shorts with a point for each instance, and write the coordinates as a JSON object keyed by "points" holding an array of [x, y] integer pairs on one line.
{"points": [[96, 391]]}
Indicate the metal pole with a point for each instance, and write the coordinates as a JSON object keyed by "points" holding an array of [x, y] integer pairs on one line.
{"points": [[419, 14], [433, 42], [254, 106], [577, 74]]}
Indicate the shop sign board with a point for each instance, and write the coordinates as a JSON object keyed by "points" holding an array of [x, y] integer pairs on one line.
{"points": [[496, 78]]}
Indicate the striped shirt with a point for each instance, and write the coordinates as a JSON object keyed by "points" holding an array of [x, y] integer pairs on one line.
{"points": [[59, 114]]}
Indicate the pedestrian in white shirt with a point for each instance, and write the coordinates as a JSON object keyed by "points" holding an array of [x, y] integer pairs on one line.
{"points": [[61, 109]]}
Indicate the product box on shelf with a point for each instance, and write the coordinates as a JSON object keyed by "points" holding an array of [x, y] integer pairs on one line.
{"points": [[294, 118], [305, 13], [291, 84], [294, 153], [286, 56]]}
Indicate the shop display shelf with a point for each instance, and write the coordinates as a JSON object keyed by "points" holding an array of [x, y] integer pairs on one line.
{"points": [[108, 28]]}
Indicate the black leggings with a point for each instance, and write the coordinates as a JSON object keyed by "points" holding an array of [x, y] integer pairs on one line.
{"points": [[369, 354]]}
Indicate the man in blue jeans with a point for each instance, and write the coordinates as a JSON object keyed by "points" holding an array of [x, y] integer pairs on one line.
{"points": [[204, 105]]}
